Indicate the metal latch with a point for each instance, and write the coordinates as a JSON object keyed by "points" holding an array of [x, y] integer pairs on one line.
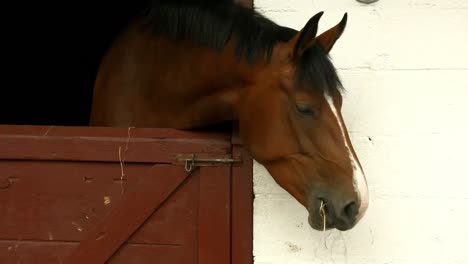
{"points": [[192, 161]]}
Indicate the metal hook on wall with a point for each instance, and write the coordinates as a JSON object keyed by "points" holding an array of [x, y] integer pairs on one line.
{"points": [[367, 1]]}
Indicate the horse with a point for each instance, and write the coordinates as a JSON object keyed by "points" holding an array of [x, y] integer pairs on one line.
{"points": [[183, 66]]}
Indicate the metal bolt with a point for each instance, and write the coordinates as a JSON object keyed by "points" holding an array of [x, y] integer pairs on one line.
{"points": [[4, 183]]}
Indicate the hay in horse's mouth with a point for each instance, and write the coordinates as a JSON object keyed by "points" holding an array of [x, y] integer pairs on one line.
{"points": [[319, 215], [323, 214]]}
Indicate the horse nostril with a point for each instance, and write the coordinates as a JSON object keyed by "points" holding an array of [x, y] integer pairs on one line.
{"points": [[351, 210]]}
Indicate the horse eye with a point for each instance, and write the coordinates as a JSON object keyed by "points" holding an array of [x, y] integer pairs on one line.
{"points": [[305, 109]]}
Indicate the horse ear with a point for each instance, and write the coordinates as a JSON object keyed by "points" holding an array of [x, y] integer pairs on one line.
{"points": [[305, 38], [328, 38]]}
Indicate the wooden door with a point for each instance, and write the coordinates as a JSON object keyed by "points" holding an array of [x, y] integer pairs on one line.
{"points": [[117, 195]]}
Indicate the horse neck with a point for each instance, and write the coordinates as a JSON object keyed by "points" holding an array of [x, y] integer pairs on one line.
{"points": [[206, 85], [150, 81]]}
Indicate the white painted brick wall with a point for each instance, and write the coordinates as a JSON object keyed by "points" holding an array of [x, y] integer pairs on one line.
{"points": [[404, 64]]}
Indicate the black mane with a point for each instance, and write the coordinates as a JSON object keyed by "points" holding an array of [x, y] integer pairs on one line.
{"points": [[214, 23]]}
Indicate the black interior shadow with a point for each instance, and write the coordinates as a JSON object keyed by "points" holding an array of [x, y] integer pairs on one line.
{"points": [[51, 58], [51, 54]]}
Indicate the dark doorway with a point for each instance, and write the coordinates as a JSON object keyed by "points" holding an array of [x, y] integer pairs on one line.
{"points": [[52, 55]]}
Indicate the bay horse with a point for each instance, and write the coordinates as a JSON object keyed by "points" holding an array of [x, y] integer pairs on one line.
{"points": [[183, 66]]}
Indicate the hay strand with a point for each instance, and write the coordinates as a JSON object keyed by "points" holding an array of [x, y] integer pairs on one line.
{"points": [[324, 220], [322, 213], [122, 161]]}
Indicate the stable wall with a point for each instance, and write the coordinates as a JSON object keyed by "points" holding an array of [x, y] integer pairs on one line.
{"points": [[404, 64]]}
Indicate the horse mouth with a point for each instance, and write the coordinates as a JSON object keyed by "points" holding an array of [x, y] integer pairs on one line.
{"points": [[319, 216], [322, 217]]}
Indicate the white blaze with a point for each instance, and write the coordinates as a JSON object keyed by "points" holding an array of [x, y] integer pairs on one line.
{"points": [[359, 180]]}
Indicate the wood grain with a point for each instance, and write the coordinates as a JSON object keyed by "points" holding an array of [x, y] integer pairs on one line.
{"points": [[124, 219]]}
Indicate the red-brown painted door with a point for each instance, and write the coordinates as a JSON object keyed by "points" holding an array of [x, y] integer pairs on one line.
{"points": [[74, 198]]}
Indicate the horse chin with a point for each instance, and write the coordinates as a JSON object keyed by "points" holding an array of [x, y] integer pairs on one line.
{"points": [[316, 222]]}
